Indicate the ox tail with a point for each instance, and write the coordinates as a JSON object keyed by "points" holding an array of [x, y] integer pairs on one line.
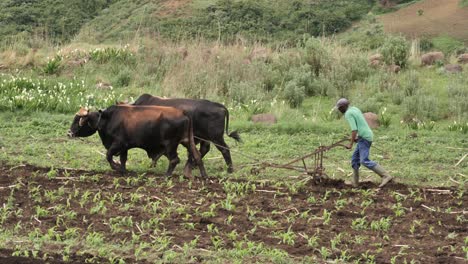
{"points": [[233, 134], [195, 153]]}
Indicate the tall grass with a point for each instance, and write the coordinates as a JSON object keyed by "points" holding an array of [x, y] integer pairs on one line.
{"points": [[235, 74]]}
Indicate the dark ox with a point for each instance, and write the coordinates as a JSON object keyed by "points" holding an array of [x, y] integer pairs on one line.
{"points": [[158, 130], [210, 120]]}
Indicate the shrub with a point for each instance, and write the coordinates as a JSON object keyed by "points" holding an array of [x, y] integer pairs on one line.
{"points": [[316, 56], [323, 85], [244, 92], [395, 51], [423, 107], [369, 104], [425, 44], [458, 95], [341, 82], [356, 66], [123, 78], [302, 76], [294, 93], [383, 82], [412, 84]]}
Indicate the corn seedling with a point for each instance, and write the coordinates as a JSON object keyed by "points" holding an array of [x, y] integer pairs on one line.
{"points": [[287, 238]]}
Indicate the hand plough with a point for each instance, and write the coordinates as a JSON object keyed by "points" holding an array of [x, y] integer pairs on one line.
{"points": [[317, 174]]}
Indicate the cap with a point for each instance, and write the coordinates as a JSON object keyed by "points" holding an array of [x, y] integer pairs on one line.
{"points": [[342, 102]]}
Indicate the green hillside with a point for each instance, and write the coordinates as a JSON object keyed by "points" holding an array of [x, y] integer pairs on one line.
{"points": [[55, 19], [110, 20]]}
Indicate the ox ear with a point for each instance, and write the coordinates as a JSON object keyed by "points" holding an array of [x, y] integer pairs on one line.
{"points": [[103, 113], [82, 121]]}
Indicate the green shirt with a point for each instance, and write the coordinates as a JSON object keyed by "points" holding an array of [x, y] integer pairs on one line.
{"points": [[357, 122]]}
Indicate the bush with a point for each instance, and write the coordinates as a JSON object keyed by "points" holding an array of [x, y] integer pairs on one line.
{"points": [[340, 80], [294, 94], [458, 94], [425, 44], [369, 104], [316, 56], [447, 45], [322, 85], [412, 84], [302, 76], [423, 107], [357, 66], [244, 92], [395, 51], [384, 82], [123, 78]]}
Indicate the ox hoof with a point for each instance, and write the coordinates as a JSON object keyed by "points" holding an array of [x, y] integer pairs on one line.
{"points": [[230, 170]]}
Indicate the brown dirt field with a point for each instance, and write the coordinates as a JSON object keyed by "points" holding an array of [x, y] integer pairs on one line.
{"points": [[432, 229], [440, 17]]}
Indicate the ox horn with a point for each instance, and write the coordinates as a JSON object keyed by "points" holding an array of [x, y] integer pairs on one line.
{"points": [[82, 112]]}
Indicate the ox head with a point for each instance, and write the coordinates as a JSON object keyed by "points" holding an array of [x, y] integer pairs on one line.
{"points": [[84, 123]]}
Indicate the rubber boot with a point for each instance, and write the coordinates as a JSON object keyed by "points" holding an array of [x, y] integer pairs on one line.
{"points": [[386, 178], [355, 181]]}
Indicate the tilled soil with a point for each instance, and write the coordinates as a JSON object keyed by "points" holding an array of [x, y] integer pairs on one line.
{"points": [[329, 220]]}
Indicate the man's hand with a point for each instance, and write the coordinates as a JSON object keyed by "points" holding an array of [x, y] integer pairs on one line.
{"points": [[350, 146]]}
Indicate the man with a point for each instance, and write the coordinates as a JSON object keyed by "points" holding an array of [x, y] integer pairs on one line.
{"points": [[362, 134]]}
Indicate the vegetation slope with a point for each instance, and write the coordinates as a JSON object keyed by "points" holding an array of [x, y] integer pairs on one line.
{"points": [[429, 18]]}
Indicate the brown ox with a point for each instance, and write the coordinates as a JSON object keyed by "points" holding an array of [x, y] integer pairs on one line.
{"points": [[156, 129]]}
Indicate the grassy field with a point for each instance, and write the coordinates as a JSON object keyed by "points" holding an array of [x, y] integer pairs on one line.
{"points": [[63, 203], [417, 157]]}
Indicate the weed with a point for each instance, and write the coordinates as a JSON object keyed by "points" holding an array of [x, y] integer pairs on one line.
{"points": [[53, 65], [458, 127], [384, 119]]}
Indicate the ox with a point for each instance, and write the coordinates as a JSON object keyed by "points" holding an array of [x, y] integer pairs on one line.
{"points": [[210, 120], [157, 130]]}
